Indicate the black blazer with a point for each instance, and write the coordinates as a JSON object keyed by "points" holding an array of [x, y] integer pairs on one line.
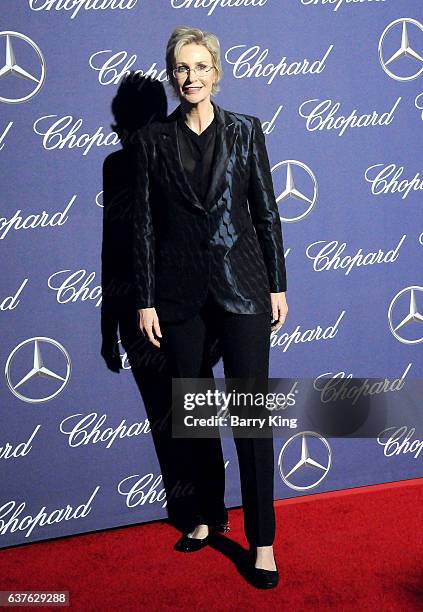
{"points": [[232, 245]]}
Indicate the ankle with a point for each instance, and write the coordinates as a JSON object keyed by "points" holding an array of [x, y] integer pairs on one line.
{"points": [[199, 531], [264, 558], [261, 550]]}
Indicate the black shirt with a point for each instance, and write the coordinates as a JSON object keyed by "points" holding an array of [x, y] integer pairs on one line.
{"points": [[197, 153]]}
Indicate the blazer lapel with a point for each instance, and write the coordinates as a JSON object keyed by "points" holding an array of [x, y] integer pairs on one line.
{"points": [[226, 135]]}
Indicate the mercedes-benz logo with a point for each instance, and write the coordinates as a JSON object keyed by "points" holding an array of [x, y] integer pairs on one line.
{"points": [[404, 50], [18, 360], [292, 190], [295, 457], [13, 68], [411, 319]]}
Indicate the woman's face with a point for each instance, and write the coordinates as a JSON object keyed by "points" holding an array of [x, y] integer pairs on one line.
{"points": [[190, 86]]}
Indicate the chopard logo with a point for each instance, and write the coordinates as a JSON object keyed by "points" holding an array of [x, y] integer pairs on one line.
{"points": [[343, 386], [338, 3], [399, 443], [15, 70], [387, 180], [148, 489], [213, 4], [400, 47], [21, 449], [84, 429], [419, 104], [113, 66], [324, 116], [44, 219], [308, 335], [74, 6], [248, 62], [329, 256], [139, 490], [81, 286], [15, 517], [58, 136]]}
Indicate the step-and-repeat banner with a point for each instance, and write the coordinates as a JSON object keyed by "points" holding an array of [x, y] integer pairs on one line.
{"points": [[337, 85]]}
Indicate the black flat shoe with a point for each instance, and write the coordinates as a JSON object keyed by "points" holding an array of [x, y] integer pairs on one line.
{"points": [[262, 578], [187, 544]]}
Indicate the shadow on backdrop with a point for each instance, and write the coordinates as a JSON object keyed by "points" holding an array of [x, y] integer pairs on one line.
{"points": [[139, 100]]}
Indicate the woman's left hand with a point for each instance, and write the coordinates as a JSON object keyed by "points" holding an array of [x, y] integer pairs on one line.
{"points": [[279, 310]]}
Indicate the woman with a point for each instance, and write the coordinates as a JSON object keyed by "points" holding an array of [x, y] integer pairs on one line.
{"points": [[209, 261]]}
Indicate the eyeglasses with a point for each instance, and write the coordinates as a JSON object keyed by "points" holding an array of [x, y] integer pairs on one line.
{"points": [[182, 71]]}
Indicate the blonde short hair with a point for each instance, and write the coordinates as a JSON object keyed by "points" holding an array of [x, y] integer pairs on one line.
{"points": [[185, 35]]}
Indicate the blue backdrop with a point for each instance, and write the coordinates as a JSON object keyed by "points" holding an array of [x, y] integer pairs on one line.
{"points": [[338, 88]]}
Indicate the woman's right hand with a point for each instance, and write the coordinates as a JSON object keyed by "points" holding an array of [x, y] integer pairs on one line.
{"points": [[149, 323]]}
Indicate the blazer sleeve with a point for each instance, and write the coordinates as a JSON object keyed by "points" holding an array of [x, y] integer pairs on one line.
{"points": [[143, 232], [264, 210]]}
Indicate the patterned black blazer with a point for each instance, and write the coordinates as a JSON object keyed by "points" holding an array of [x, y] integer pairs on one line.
{"points": [[231, 245]]}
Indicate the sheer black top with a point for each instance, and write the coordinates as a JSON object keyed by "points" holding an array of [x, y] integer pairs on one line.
{"points": [[197, 153]]}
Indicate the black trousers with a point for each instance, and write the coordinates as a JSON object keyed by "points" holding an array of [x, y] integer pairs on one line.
{"points": [[245, 342]]}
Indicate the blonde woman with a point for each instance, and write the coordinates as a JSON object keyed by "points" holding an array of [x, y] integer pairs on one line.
{"points": [[208, 255]]}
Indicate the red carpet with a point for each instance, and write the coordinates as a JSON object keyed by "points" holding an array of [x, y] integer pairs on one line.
{"points": [[358, 549]]}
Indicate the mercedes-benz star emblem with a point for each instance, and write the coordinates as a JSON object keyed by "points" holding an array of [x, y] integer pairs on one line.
{"points": [[405, 49], [407, 323], [28, 376], [13, 68], [302, 457], [292, 190]]}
